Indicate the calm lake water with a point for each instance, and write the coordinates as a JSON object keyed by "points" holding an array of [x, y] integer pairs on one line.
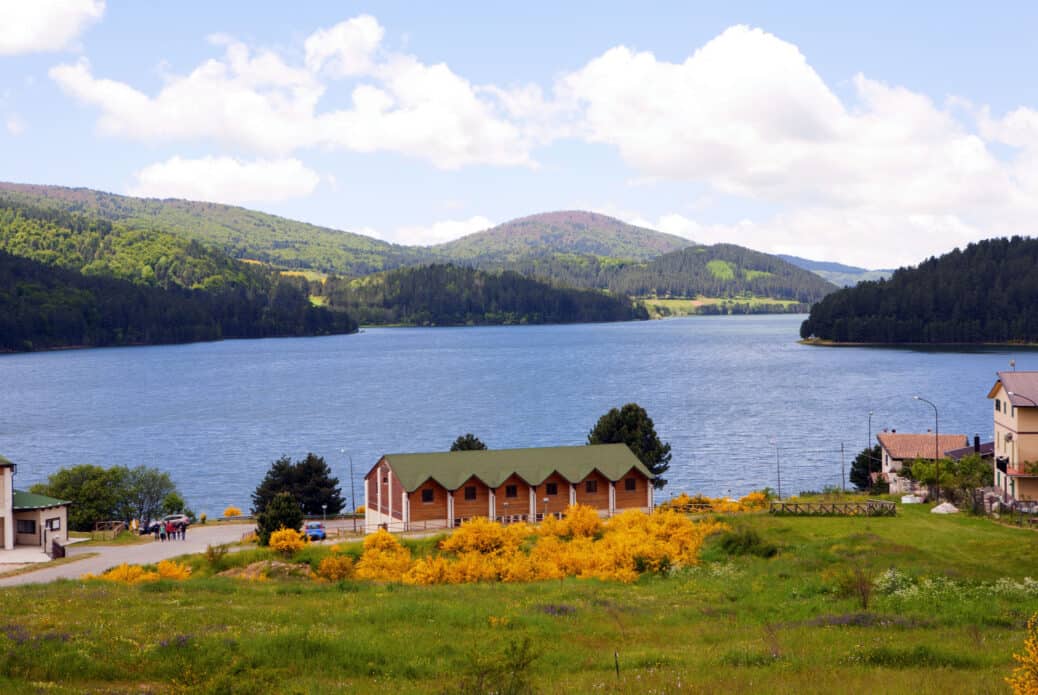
{"points": [[720, 389]]}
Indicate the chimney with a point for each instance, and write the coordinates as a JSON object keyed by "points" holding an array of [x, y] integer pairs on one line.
{"points": [[976, 443]]}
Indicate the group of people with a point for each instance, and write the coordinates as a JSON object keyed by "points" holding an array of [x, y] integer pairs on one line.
{"points": [[167, 530]]}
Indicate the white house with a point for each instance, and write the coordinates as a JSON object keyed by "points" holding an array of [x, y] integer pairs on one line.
{"points": [[27, 519]]}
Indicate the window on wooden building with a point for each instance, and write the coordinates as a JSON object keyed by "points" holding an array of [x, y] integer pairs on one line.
{"points": [[427, 495], [552, 488], [470, 492], [630, 484], [511, 491], [591, 486]]}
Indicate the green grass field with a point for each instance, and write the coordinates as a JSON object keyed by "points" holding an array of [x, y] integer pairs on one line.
{"points": [[946, 621], [662, 307]]}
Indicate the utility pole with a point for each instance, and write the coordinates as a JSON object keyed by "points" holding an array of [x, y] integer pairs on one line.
{"points": [[843, 475]]}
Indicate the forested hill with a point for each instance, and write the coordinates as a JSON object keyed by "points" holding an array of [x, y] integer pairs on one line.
{"points": [[447, 295], [987, 293], [44, 306], [565, 232], [720, 270], [238, 232], [72, 279]]}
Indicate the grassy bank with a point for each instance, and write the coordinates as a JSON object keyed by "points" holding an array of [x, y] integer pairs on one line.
{"points": [[793, 622]]}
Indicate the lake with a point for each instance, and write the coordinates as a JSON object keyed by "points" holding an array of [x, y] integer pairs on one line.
{"points": [[729, 393]]}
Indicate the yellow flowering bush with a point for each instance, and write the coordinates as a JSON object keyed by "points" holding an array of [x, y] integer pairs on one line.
{"points": [[1024, 680], [384, 558], [126, 574], [287, 541], [171, 569], [755, 500], [335, 568], [231, 511]]}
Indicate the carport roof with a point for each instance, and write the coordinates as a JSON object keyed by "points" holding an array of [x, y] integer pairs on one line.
{"points": [[26, 501], [493, 467]]}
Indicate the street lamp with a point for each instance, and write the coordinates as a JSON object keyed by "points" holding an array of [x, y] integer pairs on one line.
{"points": [[936, 443], [353, 494], [868, 449], [543, 518], [324, 512], [778, 467]]}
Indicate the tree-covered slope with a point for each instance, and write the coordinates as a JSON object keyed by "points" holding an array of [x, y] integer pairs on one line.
{"points": [[987, 293], [239, 232], [720, 270], [45, 306], [566, 232], [444, 295]]}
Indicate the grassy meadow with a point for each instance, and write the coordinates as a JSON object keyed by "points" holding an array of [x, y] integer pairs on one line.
{"points": [[947, 606]]}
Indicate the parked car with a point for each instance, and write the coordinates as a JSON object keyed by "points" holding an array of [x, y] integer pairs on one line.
{"points": [[314, 530], [148, 527], [177, 519]]}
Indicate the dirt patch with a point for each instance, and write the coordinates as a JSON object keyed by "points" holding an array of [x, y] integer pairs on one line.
{"points": [[268, 569]]}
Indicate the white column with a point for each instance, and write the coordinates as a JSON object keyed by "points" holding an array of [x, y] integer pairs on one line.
{"points": [[389, 491], [612, 498], [648, 484], [493, 505], [533, 503], [378, 489], [7, 507], [367, 508], [405, 510], [572, 494]]}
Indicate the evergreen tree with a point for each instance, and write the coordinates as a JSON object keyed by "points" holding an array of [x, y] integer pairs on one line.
{"points": [[632, 426], [468, 442], [867, 461], [281, 512], [308, 481]]}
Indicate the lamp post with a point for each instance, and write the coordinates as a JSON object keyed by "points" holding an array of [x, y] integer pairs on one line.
{"points": [[353, 494], [936, 443], [778, 468], [324, 512], [543, 518], [868, 450]]}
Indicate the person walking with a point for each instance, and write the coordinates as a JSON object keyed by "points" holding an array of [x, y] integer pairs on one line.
{"points": [[162, 532]]}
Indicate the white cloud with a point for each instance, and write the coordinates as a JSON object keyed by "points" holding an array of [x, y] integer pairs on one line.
{"points": [[256, 101], [35, 26], [435, 233], [345, 49], [225, 180], [15, 125]]}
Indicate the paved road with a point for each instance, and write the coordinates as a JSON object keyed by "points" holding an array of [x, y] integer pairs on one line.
{"points": [[198, 537]]}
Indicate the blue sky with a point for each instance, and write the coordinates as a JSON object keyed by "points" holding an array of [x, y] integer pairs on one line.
{"points": [[875, 135]]}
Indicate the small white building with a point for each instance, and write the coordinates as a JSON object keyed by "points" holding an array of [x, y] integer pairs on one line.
{"points": [[896, 448], [28, 519]]}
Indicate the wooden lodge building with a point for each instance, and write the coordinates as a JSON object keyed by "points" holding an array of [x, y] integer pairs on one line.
{"points": [[404, 492]]}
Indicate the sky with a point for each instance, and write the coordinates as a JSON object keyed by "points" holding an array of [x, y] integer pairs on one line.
{"points": [[872, 134]]}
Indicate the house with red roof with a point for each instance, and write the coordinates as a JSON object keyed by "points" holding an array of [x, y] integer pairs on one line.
{"points": [[897, 448], [1015, 397]]}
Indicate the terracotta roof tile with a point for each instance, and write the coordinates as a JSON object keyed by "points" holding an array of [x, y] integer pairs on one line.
{"points": [[918, 446], [1024, 387]]}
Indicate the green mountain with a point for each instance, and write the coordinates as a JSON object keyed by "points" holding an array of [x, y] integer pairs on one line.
{"points": [[448, 295], [987, 293], [571, 232], [837, 273], [238, 232]]}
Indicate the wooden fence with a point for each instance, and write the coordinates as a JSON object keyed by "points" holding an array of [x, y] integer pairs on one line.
{"points": [[867, 508]]}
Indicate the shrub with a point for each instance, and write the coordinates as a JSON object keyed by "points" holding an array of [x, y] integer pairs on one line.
{"points": [[287, 541], [202, 518], [214, 555], [746, 542], [231, 511], [170, 569], [384, 558], [126, 574], [361, 510], [335, 568], [282, 512], [1024, 680]]}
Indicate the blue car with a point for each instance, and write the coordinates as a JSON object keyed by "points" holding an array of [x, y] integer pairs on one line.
{"points": [[315, 530]]}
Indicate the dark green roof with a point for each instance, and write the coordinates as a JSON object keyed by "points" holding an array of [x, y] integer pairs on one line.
{"points": [[26, 500], [4, 463], [493, 467]]}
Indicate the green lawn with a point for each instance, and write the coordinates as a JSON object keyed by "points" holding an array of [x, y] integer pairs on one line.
{"points": [[792, 623]]}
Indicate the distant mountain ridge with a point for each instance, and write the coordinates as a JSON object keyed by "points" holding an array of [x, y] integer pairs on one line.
{"points": [[837, 273]]}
